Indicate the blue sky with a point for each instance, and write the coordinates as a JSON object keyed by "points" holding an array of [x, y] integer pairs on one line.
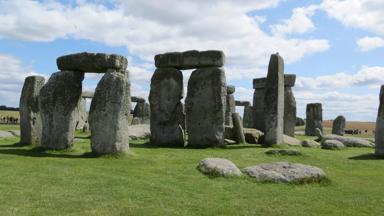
{"points": [[337, 57]]}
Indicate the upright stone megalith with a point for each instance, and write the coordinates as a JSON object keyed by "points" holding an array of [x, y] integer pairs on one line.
{"points": [[109, 113], [230, 105], [289, 105], [379, 131], [314, 119], [166, 108], [58, 102], [274, 102], [30, 120], [205, 107], [338, 125], [258, 104]]}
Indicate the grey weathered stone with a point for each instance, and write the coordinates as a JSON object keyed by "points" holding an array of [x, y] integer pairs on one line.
{"points": [[5, 134], [108, 115], [258, 104], [314, 119], [274, 102], [142, 112], [242, 103], [166, 108], [218, 167], [285, 172], [136, 121], [252, 136], [379, 131], [248, 117], [205, 107], [190, 59], [283, 152], [347, 141], [332, 144], [30, 120], [292, 141], [238, 128], [137, 99], [92, 62], [230, 105], [58, 101], [289, 112], [310, 144], [81, 114], [142, 131], [338, 125]]}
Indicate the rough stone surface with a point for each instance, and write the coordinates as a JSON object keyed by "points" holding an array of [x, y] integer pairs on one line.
{"points": [[81, 114], [291, 140], [231, 89], [142, 131], [289, 112], [283, 152], [218, 167], [166, 108], [379, 131], [30, 120], [92, 62], [242, 103], [5, 134], [190, 59], [332, 144], [58, 101], [230, 105], [274, 102], [142, 111], [258, 107], [248, 117], [137, 99], [205, 107], [314, 118], [285, 172], [252, 136], [310, 144], [109, 113], [238, 128], [338, 126], [136, 121], [347, 141]]}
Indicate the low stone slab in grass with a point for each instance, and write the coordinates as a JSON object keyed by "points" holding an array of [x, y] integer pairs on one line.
{"points": [[289, 152], [285, 172], [332, 145], [218, 167], [310, 144]]}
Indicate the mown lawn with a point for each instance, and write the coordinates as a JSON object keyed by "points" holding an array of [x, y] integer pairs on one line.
{"points": [[164, 181]]}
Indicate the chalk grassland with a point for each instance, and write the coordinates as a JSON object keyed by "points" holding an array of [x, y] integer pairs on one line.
{"points": [[164, 181], [352, 125], [5, 113]]}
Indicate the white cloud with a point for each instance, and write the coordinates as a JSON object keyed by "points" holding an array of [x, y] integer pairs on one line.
{"points": [[369, 43], [300, 22]]}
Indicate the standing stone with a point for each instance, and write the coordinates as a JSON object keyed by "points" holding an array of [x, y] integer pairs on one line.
{"points": [[379, 133], [338, 125], [109, 113], [314, 119], [258, 104], [238, 128], [274, 102], [166, 108], [141, 111], [230, 105], [289, 105], [59, 98], [30, 120], [205, 107], [82, 115], [248, 117]]}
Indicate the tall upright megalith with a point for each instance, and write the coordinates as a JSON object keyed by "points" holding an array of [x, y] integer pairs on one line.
{"points": [[166, 108], [30, 120], [109, 113], [379, 131], [338, 125], [274, 102], [58, 102], [258, 103], [314, 119], [205, 107], [289, 105], [230, 105]]}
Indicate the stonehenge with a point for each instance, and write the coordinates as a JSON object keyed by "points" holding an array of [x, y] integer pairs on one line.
{"points": [[248, 113], [379, 138], [338, 125], [141, 111], [274, 102], [230, 105], [314, 113], [30, 120], [205, 104], [289, 104]]}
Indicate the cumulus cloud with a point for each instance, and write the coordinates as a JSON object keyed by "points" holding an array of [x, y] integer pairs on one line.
{"points": [[370, 43]]}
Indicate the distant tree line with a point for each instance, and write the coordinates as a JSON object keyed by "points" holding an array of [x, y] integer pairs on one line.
{"points": [[3, 107]]}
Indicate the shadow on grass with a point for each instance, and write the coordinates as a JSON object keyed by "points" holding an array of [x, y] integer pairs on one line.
{"points": [[369, 156], [14, 145], [41, 152], [148, 144]]}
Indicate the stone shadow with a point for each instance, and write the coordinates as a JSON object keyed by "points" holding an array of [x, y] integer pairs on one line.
{"points": [[40, 152], [369, 156]]}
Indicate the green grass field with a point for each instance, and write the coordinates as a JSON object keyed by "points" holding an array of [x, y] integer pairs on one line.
{"points": [[164, 181]]}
